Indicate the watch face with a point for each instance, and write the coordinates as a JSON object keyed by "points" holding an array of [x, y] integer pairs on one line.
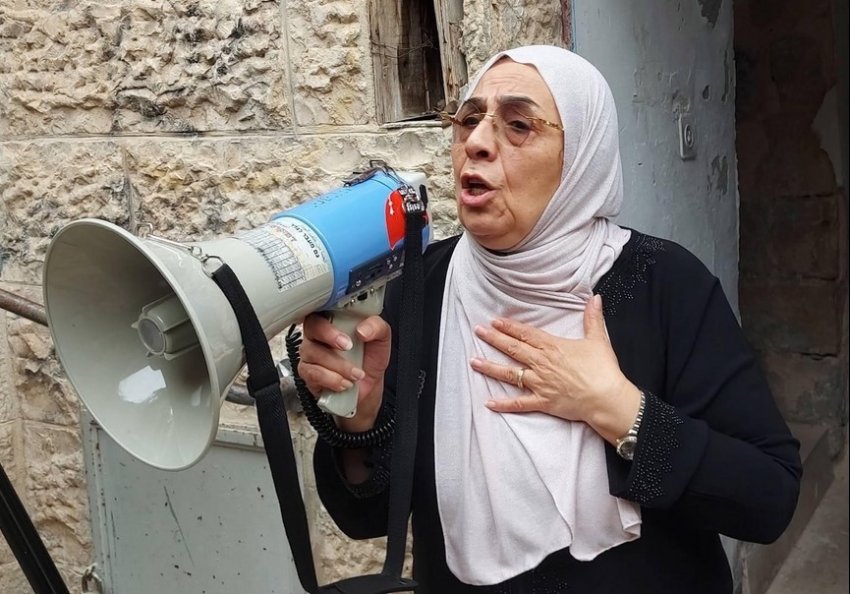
{"points": [[626, 447]]}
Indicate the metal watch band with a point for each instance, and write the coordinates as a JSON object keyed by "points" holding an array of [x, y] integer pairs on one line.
{"points": [[626, 445]]}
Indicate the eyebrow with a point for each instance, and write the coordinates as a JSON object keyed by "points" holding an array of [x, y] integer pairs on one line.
{"points": [[480, 103]]}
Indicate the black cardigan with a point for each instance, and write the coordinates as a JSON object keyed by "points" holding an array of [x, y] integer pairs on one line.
{"points": [[714, 455]]}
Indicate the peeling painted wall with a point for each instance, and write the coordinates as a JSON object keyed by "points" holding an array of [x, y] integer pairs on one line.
{"points": [[672, 57]]}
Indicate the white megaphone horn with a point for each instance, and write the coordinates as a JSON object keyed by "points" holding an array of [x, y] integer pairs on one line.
{"points": [[151, 344]]}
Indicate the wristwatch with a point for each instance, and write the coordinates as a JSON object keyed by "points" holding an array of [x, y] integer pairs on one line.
{"points": [[626, 445]]}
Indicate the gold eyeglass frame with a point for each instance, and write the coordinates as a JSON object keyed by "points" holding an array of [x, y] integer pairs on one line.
{"points": [[451, 119]]}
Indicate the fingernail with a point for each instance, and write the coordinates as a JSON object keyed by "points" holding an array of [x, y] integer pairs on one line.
{"points": [[344, 342], [597, 301], [357, 374], [490, 403], [475, 362], [365, 333], [498, 324], [345, 385], [479, 330]]}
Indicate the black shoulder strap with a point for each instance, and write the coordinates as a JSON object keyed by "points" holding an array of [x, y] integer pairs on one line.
{"points": [[264, 386], [26, 544]]}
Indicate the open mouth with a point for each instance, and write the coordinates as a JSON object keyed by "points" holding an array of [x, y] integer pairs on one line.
{"points": [[474, 184]]}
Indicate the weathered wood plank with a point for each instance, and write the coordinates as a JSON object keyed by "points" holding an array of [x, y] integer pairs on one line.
{"points": [[455, 76], [385, 21]]}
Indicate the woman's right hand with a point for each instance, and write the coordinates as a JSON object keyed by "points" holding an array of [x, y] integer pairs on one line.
{"points": [[322, 367]]}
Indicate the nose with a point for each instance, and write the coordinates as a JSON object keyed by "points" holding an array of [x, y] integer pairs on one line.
{"points": [[481, 143]]}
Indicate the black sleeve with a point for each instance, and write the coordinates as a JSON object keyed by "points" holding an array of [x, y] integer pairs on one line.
{"points": [[361, 510], [713, 448]]}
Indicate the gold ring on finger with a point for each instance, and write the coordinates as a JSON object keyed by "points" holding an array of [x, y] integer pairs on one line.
{"points": [[520, 372]]}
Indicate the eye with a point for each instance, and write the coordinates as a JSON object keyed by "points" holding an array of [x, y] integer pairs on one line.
{"points": [[519, 124], [515, 120], [470, 120]]}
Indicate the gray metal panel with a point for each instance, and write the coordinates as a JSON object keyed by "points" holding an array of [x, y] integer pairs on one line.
{"points": [[214, 528]]}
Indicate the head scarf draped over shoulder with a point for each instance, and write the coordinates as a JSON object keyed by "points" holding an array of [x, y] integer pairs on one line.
{"points": [[513, 488]]}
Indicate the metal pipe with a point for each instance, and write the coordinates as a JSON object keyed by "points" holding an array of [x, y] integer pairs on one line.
{"points": [[22, 307]]}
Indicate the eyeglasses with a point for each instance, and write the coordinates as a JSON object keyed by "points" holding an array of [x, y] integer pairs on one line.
{"points": [[511, 125]]}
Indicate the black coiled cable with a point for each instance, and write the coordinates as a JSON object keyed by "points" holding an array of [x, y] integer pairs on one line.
{"points": [[323, 422]]}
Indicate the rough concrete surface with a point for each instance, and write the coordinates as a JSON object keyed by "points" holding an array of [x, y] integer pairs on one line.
{"points": [[818, 562]]}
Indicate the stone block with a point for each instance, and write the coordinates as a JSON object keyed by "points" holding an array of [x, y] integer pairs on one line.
{"points": [[746, 33], [803, 236], [9, 443], [201, 188], [33, 372], [46, 185], [7, 562], [796, 165], [807, 389], [10, 452], [44, 392], [100, 67], [524, 22], [11, 575], [792, 316], [30, 375], [10, 446], [14, 464], [9, 403], [784, 55], [754, 260], [762, 12], [207, 188], [55, 73], [56, 494], [796, 70], [329, 45], [210, 187], [790, 237], [778, 14]]}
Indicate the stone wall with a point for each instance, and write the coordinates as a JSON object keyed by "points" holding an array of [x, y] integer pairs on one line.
{"points": [[201, 119], [793, 206]]}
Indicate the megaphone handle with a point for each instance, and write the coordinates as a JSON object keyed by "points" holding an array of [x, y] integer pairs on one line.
{"points": [[346, 319]]}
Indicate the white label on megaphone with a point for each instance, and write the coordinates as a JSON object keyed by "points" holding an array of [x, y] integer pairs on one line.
{"points": [[292, 250]]}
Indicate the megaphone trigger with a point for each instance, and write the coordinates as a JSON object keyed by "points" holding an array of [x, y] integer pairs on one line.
{"points": [[346, 318]]}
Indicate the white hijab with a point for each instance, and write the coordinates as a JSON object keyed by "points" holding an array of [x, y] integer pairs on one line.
{"points": [[513, 488]]}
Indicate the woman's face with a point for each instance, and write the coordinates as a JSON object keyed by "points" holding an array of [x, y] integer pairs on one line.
{"points": [[502, 188]]}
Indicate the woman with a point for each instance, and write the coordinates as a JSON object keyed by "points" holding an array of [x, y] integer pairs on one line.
{"points": [[592, 418]]}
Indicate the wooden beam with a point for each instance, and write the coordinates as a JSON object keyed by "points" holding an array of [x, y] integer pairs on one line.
{"points": [[449, 22], [384, 19]]}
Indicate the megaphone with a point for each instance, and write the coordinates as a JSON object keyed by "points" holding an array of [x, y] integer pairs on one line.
{"points": [[149, 341]]}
